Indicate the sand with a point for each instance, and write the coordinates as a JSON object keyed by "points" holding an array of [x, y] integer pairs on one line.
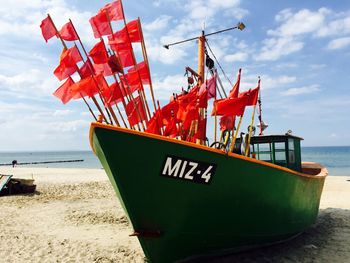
{"points": [[75, 217]]}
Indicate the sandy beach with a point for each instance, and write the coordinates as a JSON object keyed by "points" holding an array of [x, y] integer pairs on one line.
{"points": [[75, 217]]}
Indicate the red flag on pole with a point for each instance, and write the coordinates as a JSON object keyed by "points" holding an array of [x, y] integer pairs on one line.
{"points": [[210, 86], [252, 96], [68, 60], [114, 64], [227, 123], [169, 111], [64, 92], [103, 69], [235, 89], [121, 36], [98, 53], [126, 58], [85, 87], [143, 71], [100, 25], [113, 94], [115, 10], [155, 123], [48, 29], [134, 31], [171, 128], [135, 116], [68, 33], [231, 107], [86, 70]]}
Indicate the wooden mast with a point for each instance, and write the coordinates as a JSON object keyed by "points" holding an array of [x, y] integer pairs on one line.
{"points": [[201, 57]]}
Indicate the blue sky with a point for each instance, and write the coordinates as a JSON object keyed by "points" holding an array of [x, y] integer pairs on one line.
{"points": [[301, 50]]}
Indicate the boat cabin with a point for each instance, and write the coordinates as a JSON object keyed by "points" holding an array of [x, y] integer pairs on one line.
{"points": [[283, 150]]}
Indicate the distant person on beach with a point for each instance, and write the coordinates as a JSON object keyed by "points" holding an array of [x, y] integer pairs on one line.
{"points": [[14, 163]]}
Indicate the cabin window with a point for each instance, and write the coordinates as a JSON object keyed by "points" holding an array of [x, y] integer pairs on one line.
{"points": [[291, 153], [264, 152], [280, 152]]}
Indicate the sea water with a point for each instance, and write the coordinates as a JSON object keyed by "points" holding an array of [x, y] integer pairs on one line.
{"points": [[336, 159], [89, 159]]}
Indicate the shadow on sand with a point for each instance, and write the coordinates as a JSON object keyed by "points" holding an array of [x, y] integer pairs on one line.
{"points": [[328, 240]]}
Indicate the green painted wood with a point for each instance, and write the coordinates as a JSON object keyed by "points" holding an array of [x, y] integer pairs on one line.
{"points": [[246, 204]]}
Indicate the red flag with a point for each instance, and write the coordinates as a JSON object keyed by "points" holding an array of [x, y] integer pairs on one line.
{"points": [[113, 94], [143, 71], [131, 83], [100, 25], [68, 60], [186, 102], [227, 123], [201, 129], [86, 70], [114, 64], [252, 96], [64, 92], [98, 53], [231, 107], [103, 69], [135, 116], [126, 58], [235, 89], [134, 31], [122, 37], [85, 87], [210, 86], [62, 72], [155, 123], [115, 10], [171, 129], [47, 28], [68, 33], [169, 111]]}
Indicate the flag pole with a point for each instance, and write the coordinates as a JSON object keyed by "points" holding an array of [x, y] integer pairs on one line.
{"points": [[123, 73], [235, 134], [57, 32], [250, 132], [260, 112], [142, 92], [251, 125], [145, 57], [88, 58], [65, 47], [215, 120]]}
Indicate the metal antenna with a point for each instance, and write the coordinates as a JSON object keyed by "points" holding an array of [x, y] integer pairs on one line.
{"points": [[239, 26]]}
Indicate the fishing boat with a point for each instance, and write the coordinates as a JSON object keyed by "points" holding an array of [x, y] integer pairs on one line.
{"points": [[187, 199]]}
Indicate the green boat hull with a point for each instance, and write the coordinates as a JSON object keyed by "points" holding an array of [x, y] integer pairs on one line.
{"points": [[247, 202]]}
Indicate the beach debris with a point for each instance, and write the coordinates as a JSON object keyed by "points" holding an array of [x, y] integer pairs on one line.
{"points": [[10, 185], [310, 246]]}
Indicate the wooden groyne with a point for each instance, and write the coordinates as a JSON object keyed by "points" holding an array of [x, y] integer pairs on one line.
{"points": [[63, 161]]}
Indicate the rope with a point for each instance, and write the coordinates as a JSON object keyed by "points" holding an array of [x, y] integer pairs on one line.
{"points": [[222, 70]]}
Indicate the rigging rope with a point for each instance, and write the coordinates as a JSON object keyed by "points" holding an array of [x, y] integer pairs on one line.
{"points": [[222, 70]]}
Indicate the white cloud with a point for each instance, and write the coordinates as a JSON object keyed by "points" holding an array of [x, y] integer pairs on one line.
{"points": [[157, 52], [29, 83], [238, 56], [22, 18], [339, 43], [303, 21], [290, 36], [274, 48], [157, 24], [303, 90], [166, 86], [337, 26]]}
